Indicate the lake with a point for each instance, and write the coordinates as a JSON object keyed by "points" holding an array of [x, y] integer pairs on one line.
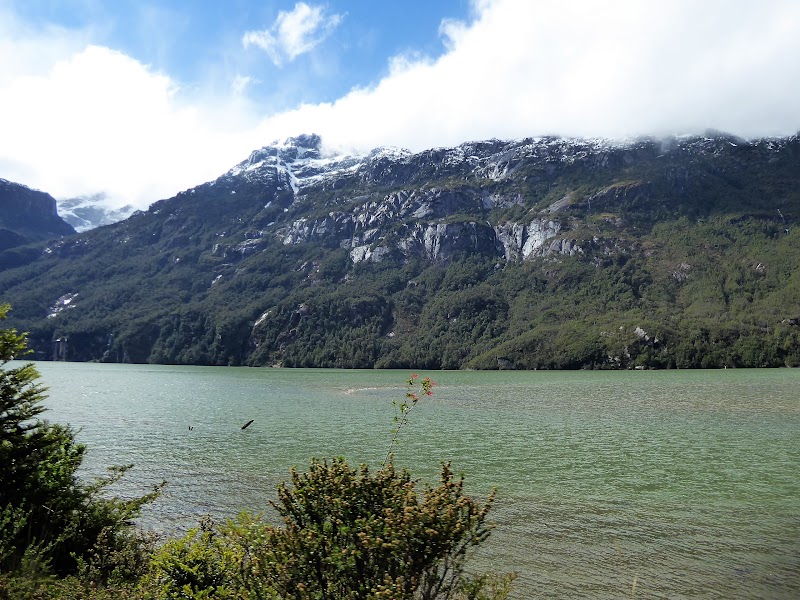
{"points": [[650, 484]]}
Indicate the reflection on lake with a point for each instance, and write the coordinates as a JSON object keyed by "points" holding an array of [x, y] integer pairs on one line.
{"points": [[610, 484]]}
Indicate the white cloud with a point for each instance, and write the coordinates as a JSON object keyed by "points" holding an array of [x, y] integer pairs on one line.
{"points": [[101, 121], [240, 83], [585, 68], [293, 33], [79, 119], [28, 51]]}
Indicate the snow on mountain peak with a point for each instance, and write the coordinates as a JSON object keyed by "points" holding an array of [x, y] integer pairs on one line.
{"points": [[299, 160], [88, 212]]}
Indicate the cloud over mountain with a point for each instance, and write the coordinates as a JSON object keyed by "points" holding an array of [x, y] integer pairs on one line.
{"points": [[81, 118], [600, 68]]}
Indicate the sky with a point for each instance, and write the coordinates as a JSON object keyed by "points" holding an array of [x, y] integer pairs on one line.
{"points": [[140, 99]]}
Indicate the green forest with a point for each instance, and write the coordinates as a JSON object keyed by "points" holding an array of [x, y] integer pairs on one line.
{"points": [[679, 255]]}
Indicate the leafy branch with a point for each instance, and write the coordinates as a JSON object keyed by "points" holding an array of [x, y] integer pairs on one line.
{"points": [[415, 388]]}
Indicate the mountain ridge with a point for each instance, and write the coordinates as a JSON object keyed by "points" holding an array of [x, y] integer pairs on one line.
{"points": [[300, 257]]}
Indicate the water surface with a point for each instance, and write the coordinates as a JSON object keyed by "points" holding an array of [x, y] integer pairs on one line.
{"points": [[670, 484]]}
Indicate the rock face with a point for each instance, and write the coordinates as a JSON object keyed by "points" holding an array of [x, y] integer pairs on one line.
{"points": [[27, 216], [392, 204], [419, 219]]}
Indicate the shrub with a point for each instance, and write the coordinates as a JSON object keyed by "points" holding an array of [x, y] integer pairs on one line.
{"points": [[347, 534], [194, 567], [350, 533]]}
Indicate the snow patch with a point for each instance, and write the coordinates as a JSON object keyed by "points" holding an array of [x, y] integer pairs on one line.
{"points": [[262, 318], [63, 303]]}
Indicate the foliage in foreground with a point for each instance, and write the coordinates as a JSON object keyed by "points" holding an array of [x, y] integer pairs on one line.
{"points": [[50, 522], [347, 533]]}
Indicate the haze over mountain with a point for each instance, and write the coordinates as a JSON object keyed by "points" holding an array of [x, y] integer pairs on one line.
{"points": [[537, 253], [88, 212]]}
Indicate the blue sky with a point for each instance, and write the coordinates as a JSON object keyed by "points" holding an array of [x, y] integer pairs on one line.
{"points": [[141, 99], [200, 42]]}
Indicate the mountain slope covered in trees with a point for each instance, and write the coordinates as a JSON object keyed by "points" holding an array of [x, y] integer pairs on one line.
{"points": [[539, 253]]}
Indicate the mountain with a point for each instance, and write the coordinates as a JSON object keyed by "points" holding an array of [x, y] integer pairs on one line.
{"points": [[28, 216], [87, 212], [536, 253]]}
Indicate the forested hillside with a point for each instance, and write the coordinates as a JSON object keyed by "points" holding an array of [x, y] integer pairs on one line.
{"points": [[540, 253]]}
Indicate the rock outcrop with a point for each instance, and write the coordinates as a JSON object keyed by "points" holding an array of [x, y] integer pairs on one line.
{"points": [[28, 215]]}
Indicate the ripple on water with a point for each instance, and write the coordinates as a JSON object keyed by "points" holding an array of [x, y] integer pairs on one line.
{"points": [[655, 485]]}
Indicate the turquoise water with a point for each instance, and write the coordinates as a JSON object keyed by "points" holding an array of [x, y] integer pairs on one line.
{"points": [[671, 484]]}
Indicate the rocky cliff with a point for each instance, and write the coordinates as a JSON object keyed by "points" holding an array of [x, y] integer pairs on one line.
{"points": [[27, 216]]}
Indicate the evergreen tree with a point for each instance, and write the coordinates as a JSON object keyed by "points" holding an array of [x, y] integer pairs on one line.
{"points": [[49, 520]]}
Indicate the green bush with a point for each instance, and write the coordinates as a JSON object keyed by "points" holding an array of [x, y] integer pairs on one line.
{"points": [[350, 533], [194, 567], [347, 534]]}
